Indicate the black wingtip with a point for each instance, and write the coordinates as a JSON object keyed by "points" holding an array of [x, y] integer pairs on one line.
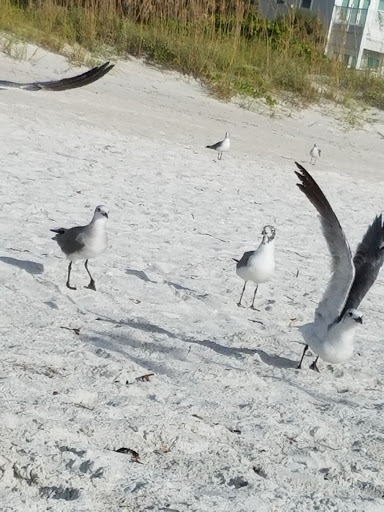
{"points": [[300, 167], [59, 231], [234, 259], [305, 178], [303, 172]]}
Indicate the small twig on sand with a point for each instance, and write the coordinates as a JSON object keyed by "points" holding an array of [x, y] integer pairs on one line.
{"points": [[17, 250], [297, 273], [76, 330], [198, 417], [83, 406], [134, 453], [255, 321], [146, 377], [215, 237]]}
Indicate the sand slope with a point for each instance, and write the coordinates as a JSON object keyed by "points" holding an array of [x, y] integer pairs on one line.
{"points": [[226, 423]]}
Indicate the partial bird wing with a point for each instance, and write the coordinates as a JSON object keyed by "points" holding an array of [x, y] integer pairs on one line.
{"points": [[65, 83], [368, 261], [342, 267], [215, 146], [70, 240], [244, 259]]}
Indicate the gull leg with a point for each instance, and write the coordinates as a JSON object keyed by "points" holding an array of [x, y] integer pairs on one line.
{"points": [[314, 365], [242, 293], [302, 357], [219, 155], [92, 285], [68, 284], [254, 296]]}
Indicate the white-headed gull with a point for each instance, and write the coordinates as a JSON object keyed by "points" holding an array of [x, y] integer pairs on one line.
{"points": [[84, 242], [315, 153], [258, 266], [222, 146]]}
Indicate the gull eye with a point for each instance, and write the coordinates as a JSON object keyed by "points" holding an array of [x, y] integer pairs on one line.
{"points": [[350, 313]]}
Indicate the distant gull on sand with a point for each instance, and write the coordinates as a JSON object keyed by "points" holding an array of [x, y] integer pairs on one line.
{"points": [[332, 332], [315, 154], [84, 242], [258, 266], [65, 83], [222, 146]]}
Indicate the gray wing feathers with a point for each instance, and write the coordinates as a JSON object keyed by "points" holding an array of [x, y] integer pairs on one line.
{"points": [[368, 260], [64, 84], [215, 146], [342, 268], [244, 259], [69, 240]]}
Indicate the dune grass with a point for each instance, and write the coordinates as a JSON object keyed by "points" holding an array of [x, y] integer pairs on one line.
{"points": [[228, 45]]}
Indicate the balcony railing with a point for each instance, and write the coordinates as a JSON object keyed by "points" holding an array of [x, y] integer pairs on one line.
{"points": [[351, 16]]}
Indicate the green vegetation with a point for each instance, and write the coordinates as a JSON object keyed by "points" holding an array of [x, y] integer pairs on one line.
{"points": [[228, 45]]}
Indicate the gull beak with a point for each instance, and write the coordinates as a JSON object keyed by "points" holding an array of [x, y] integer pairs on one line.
{"points": [[105, 214], [360, 319]]}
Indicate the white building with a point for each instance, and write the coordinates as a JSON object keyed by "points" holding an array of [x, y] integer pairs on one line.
{"points": [[355, 28]]}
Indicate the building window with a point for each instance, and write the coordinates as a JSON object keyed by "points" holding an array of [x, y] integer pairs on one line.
{"points": [[280, 1], [306, 4], [349, 60], [371, 60], [381, 5]]}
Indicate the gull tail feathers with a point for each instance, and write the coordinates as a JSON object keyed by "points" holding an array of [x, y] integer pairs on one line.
{"points": [[59, 232]]}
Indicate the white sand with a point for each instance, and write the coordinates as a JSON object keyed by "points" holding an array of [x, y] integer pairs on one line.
{"points": [[226, 424]]}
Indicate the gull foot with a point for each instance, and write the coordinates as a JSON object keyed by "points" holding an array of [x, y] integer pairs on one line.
{"points": [[92, 285], [314, 367]]}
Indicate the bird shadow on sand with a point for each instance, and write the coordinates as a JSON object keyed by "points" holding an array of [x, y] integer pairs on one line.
{"points": [[122, 347], [145, 326], [31, 267], [140, 274]]}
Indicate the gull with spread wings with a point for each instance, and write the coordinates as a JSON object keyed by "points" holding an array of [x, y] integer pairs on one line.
{"points": [[64, 84], [331, 334]]}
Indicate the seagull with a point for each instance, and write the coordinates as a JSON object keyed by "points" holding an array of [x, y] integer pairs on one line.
{"points": [[65, 83], [258, 266], [84, 242], [332, 332], [315, 154], [222, 146]]}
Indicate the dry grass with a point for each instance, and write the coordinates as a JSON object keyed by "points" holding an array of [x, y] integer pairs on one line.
{"points": [[224, 43]]}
